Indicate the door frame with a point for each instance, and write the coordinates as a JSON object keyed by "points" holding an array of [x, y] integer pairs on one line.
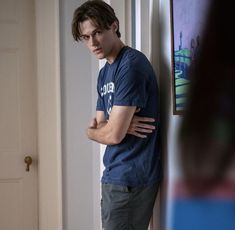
{"points": [[49, 114]]}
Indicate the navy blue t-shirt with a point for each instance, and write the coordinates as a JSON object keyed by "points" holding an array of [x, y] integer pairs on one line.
{"points": [[130, 81]]}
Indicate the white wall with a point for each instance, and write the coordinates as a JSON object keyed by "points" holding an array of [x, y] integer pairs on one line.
{"points": [[79, 162]]}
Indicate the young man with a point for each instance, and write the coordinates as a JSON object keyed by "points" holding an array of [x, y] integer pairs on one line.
{"points": [[126, 120]]}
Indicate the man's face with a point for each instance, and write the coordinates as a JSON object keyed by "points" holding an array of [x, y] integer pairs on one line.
{"points": [[100, 42]]}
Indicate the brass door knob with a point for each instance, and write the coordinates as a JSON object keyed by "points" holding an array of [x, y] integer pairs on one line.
{"points": [[28, 161]]}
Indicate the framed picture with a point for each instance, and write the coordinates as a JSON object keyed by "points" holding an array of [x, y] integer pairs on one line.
{"points": [[187, 21]]}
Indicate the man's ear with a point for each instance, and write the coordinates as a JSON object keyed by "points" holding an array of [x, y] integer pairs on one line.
{"points": [[114, 26]]}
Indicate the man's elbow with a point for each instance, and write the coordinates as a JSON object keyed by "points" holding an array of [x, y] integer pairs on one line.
{"points": [[116, 139]]}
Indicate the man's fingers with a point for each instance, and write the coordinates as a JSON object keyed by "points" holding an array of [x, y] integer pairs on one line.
{"points": [[139, 126], [138, 134], [93, 123], [146, 126], [144, 119], [144, 130]]}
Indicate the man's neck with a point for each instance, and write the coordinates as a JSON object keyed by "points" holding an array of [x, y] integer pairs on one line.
{"points": [[116, 49]]}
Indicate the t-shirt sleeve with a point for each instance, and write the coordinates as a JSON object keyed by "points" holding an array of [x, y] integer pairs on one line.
{"points": [[99, 105], [131, 89]]}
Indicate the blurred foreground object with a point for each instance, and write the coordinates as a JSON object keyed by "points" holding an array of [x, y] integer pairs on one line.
{"points": [[205, 198]]}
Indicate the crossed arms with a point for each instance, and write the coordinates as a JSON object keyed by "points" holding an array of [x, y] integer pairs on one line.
{"points": [[122, 121]]}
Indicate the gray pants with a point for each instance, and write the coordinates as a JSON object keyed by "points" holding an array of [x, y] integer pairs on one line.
{"points": [[125, 208]]}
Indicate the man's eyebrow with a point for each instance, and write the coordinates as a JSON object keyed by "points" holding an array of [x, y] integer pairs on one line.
{"points": [[94, 31]]}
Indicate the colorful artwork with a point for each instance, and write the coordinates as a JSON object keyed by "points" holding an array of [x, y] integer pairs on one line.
{"points": [[188, 18]]}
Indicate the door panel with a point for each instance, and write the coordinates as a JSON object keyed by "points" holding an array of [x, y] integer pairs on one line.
{"points": [[18, 188]]}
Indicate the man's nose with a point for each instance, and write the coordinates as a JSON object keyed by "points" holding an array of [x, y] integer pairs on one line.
{"points": [[93, 40]]}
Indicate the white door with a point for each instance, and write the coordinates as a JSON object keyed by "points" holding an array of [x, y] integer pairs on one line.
{"points": [[18, 128]]}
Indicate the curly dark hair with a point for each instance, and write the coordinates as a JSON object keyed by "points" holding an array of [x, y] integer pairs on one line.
{"points": [[99, 12]]}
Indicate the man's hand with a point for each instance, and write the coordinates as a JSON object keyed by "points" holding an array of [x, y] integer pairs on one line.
{"points": [[93, 123], [139, 126]]}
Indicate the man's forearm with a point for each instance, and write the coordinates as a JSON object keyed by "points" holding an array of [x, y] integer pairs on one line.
{"points": [[102, 134]]}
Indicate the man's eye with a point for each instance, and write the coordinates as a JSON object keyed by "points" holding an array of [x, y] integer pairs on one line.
{"points": [[98, 32], [86, 38]]}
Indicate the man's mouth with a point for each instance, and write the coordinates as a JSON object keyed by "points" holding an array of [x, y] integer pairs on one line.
{"points": [[97, 50]]}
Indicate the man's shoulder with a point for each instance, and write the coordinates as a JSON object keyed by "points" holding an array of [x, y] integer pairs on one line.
{"points": [[132, 58], [132, 52]]}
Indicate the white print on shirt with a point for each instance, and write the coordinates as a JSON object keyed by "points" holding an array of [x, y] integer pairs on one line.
{"points": [[109, 107], [107, 88]]}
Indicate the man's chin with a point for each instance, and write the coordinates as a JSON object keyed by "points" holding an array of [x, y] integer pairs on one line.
{"points": [[100, 56]]}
